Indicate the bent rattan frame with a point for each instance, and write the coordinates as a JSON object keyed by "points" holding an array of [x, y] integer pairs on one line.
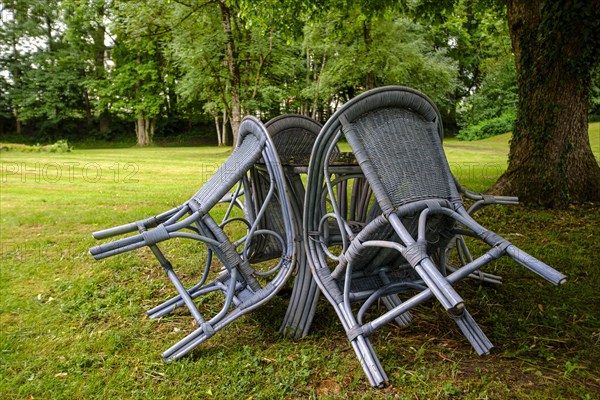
{"points": [[293, 136], [394, 133], [244, 286]]}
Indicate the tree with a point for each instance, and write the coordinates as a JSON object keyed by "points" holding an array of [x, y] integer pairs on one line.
{"points": [[228, 52], [46, 64], [13, 62], [475, 33], [86, 33], [360, 48], [28, 46], [556, 50], [139, 85], [136, 89]]}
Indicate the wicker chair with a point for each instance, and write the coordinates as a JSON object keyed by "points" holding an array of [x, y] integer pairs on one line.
{"points": [[417, 210], [245, 280], [293, 137]]}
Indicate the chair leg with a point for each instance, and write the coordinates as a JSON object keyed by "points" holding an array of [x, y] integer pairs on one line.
{"points": [[438, 284], [520, 256], [464, 257], [294, 321], [393, 301], [472, 332], [186, 344], [425, 267], [535, 265], [369, 361], [185, 296], [176, 301], [173, 303], [301, 309]]}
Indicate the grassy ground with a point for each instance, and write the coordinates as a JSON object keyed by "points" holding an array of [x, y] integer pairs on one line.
{"points": [[72, 327]]}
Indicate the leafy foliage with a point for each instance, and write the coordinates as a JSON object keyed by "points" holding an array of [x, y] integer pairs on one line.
{"points": [[488, 127], [61, 146], [397, 51], [492, 109], [154, 63], [497, 93], [100, 67]]}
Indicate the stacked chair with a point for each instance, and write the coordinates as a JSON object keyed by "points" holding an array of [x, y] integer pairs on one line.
{"points": [[377, 228], [252, 266], [293, 136], [398, 252]]}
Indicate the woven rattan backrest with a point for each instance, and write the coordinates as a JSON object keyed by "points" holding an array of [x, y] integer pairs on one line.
{"points": [[251, 143], [294, 136], [395, 136]]}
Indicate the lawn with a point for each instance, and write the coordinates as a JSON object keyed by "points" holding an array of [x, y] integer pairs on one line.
{"points": [[72, 327]]}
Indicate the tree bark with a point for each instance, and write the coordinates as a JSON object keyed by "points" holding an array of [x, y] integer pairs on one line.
{"points": [[234, 70], [305, 108], [100, 73], [315, 106], [223, 139], [550, 161], [18, 125], [16, 73], [144, 128], [218, 127], [370, 79], [104, 122]]}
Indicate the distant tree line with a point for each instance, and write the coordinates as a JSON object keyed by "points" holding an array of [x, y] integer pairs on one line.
{"points": [[149, 69], [112, 69]]}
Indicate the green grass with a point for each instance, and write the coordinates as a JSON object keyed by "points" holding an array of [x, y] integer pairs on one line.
{"points": [[479, 162], [72, 327]]}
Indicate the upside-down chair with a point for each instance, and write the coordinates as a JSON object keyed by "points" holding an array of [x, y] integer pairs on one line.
{"points": [[247, 259], [416, 212]]}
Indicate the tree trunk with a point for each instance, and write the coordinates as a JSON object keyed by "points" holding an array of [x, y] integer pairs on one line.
{"points": [[88, 108], [18, 125], [315, 106], [551, 162], [234, 71], [150, 124], [144, 128], [15, 72], [104, 123], [223, 139], [99, 68], [370, 81], [305, 107], [218, 127]]}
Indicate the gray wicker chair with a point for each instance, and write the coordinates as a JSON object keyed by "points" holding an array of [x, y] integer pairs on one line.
{"points": [[294, 136], [244, 279], [394, 133]]}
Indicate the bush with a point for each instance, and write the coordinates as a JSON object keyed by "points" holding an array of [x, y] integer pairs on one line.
{"points": [[487, 128], [496, 95], [61, 146]]}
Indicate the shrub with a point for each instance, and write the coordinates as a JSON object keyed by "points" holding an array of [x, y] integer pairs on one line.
{"points": [[61, 146], [487, 128]]}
